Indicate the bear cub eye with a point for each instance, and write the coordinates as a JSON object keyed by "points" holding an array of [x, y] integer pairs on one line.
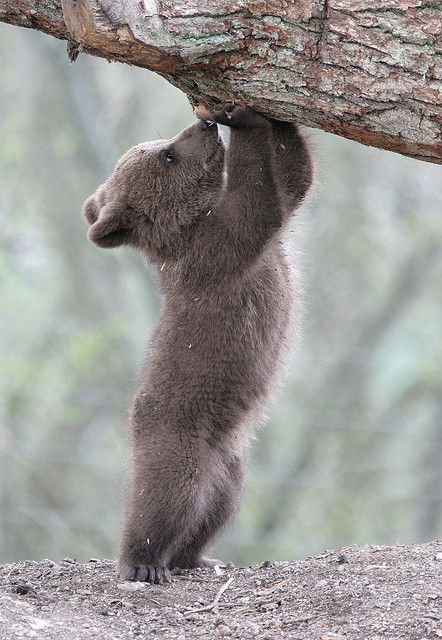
{"points": [[168, 157]]}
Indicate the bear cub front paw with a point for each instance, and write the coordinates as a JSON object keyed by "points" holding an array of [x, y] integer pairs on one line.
{"points": [[239, 117]]}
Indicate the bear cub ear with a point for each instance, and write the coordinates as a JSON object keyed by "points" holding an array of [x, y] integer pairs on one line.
{"points": [[109, 224]]}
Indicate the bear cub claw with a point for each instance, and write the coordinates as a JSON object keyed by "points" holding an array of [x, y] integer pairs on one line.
{"points": [[144, 573]]}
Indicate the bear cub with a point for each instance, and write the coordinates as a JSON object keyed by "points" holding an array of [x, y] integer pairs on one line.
{"points": [[212, 222]]}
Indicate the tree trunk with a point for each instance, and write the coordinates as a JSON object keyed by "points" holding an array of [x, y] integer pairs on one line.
{"points": [[369, 70]]}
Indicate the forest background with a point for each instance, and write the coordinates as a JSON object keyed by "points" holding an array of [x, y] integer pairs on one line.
{"points": [[353, 448]]}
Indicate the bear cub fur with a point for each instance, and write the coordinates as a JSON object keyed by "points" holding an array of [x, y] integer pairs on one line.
{"points": [[212, 221]]}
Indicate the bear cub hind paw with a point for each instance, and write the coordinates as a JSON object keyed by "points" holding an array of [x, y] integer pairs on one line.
{"points": [[142, 572]]}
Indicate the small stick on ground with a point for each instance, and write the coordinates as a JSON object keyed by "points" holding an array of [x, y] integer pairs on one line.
{"points": [[214, 604], [8, 575], [267, 592]]}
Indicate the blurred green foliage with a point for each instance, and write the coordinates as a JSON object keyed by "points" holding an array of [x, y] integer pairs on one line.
{"points": [[353, 450]]}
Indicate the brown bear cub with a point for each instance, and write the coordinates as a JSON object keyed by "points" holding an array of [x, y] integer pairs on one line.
{"points": [[212, 221]]}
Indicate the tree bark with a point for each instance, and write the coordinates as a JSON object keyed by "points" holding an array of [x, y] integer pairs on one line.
{"points": [[368, 70]]}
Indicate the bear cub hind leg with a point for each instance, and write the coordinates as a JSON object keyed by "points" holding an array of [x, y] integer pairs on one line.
{"points": [[175, 508], [218, 512], [165, 499]]}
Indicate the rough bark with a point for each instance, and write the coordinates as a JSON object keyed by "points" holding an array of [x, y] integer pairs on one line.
{"points": [[357, 593], [369, 70]]}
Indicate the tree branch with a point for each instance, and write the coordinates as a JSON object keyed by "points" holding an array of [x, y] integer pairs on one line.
{"points": [[369, 71]]}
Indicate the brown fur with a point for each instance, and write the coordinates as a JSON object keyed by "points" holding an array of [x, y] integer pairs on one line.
{"points": [[217, 244]]}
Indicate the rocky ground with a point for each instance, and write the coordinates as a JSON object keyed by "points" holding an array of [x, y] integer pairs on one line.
{"points": [[357, 593]]}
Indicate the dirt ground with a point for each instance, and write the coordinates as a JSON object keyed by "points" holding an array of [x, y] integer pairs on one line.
{"points": [[369, 593]]}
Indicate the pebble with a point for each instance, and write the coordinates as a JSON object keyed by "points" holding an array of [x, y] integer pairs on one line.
{"points": [[341, 559], [438, 555], [266, 564], [224, 630], [23, 589], [191, 617], [322, 584], [281, 564], [253, 629], [131, 586], [38, 624], [47, 562]]}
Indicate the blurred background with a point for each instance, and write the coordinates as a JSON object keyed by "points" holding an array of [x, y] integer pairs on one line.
{"points": [[353, 449]]}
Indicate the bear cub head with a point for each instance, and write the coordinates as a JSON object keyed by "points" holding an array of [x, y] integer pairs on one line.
{"points": [[158, 192]]}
